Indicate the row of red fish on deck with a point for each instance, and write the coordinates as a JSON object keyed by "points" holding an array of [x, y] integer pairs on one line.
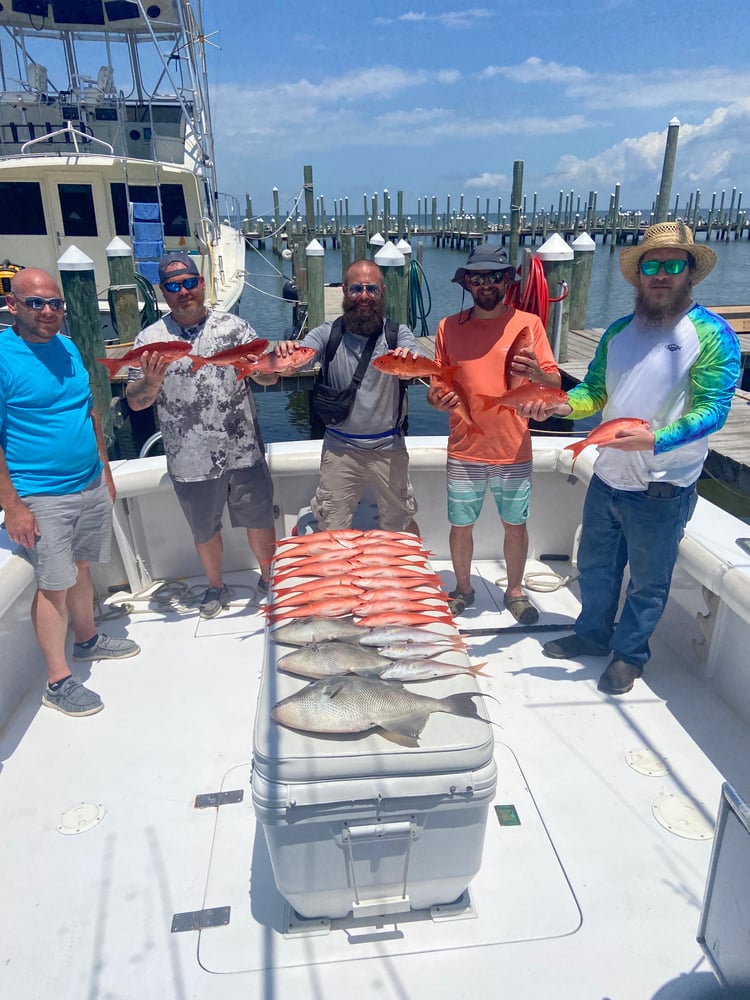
{"points": [[363, 574]]}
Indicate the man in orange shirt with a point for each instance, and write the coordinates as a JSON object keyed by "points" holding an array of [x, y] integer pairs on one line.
{"points": [[493, 447]]}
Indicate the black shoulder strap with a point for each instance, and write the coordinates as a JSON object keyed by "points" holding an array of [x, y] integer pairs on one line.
{"points": [[334, 339], [391, 334]]}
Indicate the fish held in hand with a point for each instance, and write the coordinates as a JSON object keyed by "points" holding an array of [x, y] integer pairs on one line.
{"points": [[606, 432], [232, 356], [351, 704], [524, 341], [529, 392], [172, 350], [274, 364], [411, 367]]}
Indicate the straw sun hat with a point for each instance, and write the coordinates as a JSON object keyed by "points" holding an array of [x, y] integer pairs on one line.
{"points": [[667, 236]]}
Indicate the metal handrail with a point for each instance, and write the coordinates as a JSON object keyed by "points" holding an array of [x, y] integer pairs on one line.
{"points": [[72, 132]]}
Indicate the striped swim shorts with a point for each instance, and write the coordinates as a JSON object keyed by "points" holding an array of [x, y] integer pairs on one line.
{"points": [[510, 485]]}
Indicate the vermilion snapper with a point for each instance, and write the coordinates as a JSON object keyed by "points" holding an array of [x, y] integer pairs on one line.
{"points": [[607, 432], [274, 364], [529, 392], [171, 349], [411, 367], [238, 355], [523, 342]]}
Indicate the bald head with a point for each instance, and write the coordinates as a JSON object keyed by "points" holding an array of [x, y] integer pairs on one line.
{"points": [[34, 281], [36, 325]]}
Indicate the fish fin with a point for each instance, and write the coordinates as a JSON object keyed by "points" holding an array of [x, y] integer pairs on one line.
{"points": [[408, 726], [198, 362], [399, 739], [488, 402]]}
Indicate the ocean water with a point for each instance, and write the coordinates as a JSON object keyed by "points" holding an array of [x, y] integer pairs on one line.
{"points": [[284, 416]]}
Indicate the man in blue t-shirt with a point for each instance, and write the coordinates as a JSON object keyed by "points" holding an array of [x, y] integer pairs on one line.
{"points": [[56, 487]]}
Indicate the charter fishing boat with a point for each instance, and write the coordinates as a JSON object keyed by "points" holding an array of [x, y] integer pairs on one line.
{"points": [[565, 844], [105, 132]]}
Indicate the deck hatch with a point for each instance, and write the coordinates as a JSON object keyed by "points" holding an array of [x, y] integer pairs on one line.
{"points": [[210, 799], [198, 920]]}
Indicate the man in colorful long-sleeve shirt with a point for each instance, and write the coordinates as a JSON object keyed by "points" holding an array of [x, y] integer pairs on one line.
{"points": [[674, 364]]}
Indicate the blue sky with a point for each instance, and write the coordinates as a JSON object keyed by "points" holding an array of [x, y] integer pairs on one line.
{"points": [[441, 98]]}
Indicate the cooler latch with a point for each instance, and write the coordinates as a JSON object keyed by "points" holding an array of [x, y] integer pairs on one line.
{"points": [[366, 833]]}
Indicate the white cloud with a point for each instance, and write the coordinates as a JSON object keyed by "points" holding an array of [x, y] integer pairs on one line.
{"points": [[488, 180], [449, 19]]}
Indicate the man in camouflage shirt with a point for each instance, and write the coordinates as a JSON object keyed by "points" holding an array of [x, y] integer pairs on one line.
{"points": [[212, 441]]}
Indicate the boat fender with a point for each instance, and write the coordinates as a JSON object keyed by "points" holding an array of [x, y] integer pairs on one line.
{"points": [[289, 291]]}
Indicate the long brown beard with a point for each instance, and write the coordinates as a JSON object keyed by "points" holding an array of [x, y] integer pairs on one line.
{"points": [[363, 321], [660, 315]]}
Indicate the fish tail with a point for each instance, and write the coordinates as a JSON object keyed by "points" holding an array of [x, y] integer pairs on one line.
{"points": [[198, 362], [476, 668], [576, 449], [113, 365], [462, 704]]}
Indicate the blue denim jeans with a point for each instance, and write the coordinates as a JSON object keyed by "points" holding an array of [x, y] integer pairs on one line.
{"points": [[622, 528]]}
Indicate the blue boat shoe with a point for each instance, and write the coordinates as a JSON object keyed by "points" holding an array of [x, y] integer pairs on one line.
{"points": [[214, 601], [72, 698], [105, 648]]}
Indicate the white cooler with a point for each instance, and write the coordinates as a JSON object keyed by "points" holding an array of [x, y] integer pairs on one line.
{"points": [[358, 824]]}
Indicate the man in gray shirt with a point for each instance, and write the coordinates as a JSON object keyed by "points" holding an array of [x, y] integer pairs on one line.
{"points": [[367, 447]]}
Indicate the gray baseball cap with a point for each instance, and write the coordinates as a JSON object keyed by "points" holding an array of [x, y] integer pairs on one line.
{"points": [[485, 257]]}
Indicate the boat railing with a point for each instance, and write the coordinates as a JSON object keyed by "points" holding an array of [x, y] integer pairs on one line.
{"points": [[74, 134]]}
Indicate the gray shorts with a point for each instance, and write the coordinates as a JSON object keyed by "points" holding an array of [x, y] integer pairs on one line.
{"points": [[246, 493], [73, 528]]}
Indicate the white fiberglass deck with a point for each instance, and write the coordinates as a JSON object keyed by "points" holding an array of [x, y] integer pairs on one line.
{"points": [[588, 897]]}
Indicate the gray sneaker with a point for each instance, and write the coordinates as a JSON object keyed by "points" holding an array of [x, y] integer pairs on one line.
{"points": [[214, 601], [105, 648], [72, 698]]}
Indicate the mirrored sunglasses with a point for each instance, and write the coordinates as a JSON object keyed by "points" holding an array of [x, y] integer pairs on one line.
{"points": [[357, 289], [38, 303], [174, 286], [652, 267], [490, 278]]}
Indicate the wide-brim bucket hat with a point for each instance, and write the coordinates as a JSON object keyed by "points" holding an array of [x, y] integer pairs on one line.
{"points": [[485, 257], [667, 236]]}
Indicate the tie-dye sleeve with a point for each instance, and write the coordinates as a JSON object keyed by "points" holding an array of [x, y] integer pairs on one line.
{"points": [[590, 395], [713, 380]]}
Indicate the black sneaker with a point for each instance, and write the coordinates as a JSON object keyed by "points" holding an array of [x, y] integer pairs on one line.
{"points": [[214, 601], [619, 677], [570, 647]]}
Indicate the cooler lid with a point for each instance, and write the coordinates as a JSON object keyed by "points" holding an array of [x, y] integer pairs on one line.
{"points": [[448, 743]]}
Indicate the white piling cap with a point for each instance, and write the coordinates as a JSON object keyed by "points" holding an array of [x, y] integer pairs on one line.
{"points": [[389, 256], [555, 248], [403, 246], [377, 240], [75, 260], [118, 248], [314, 249], [584, 243]]}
